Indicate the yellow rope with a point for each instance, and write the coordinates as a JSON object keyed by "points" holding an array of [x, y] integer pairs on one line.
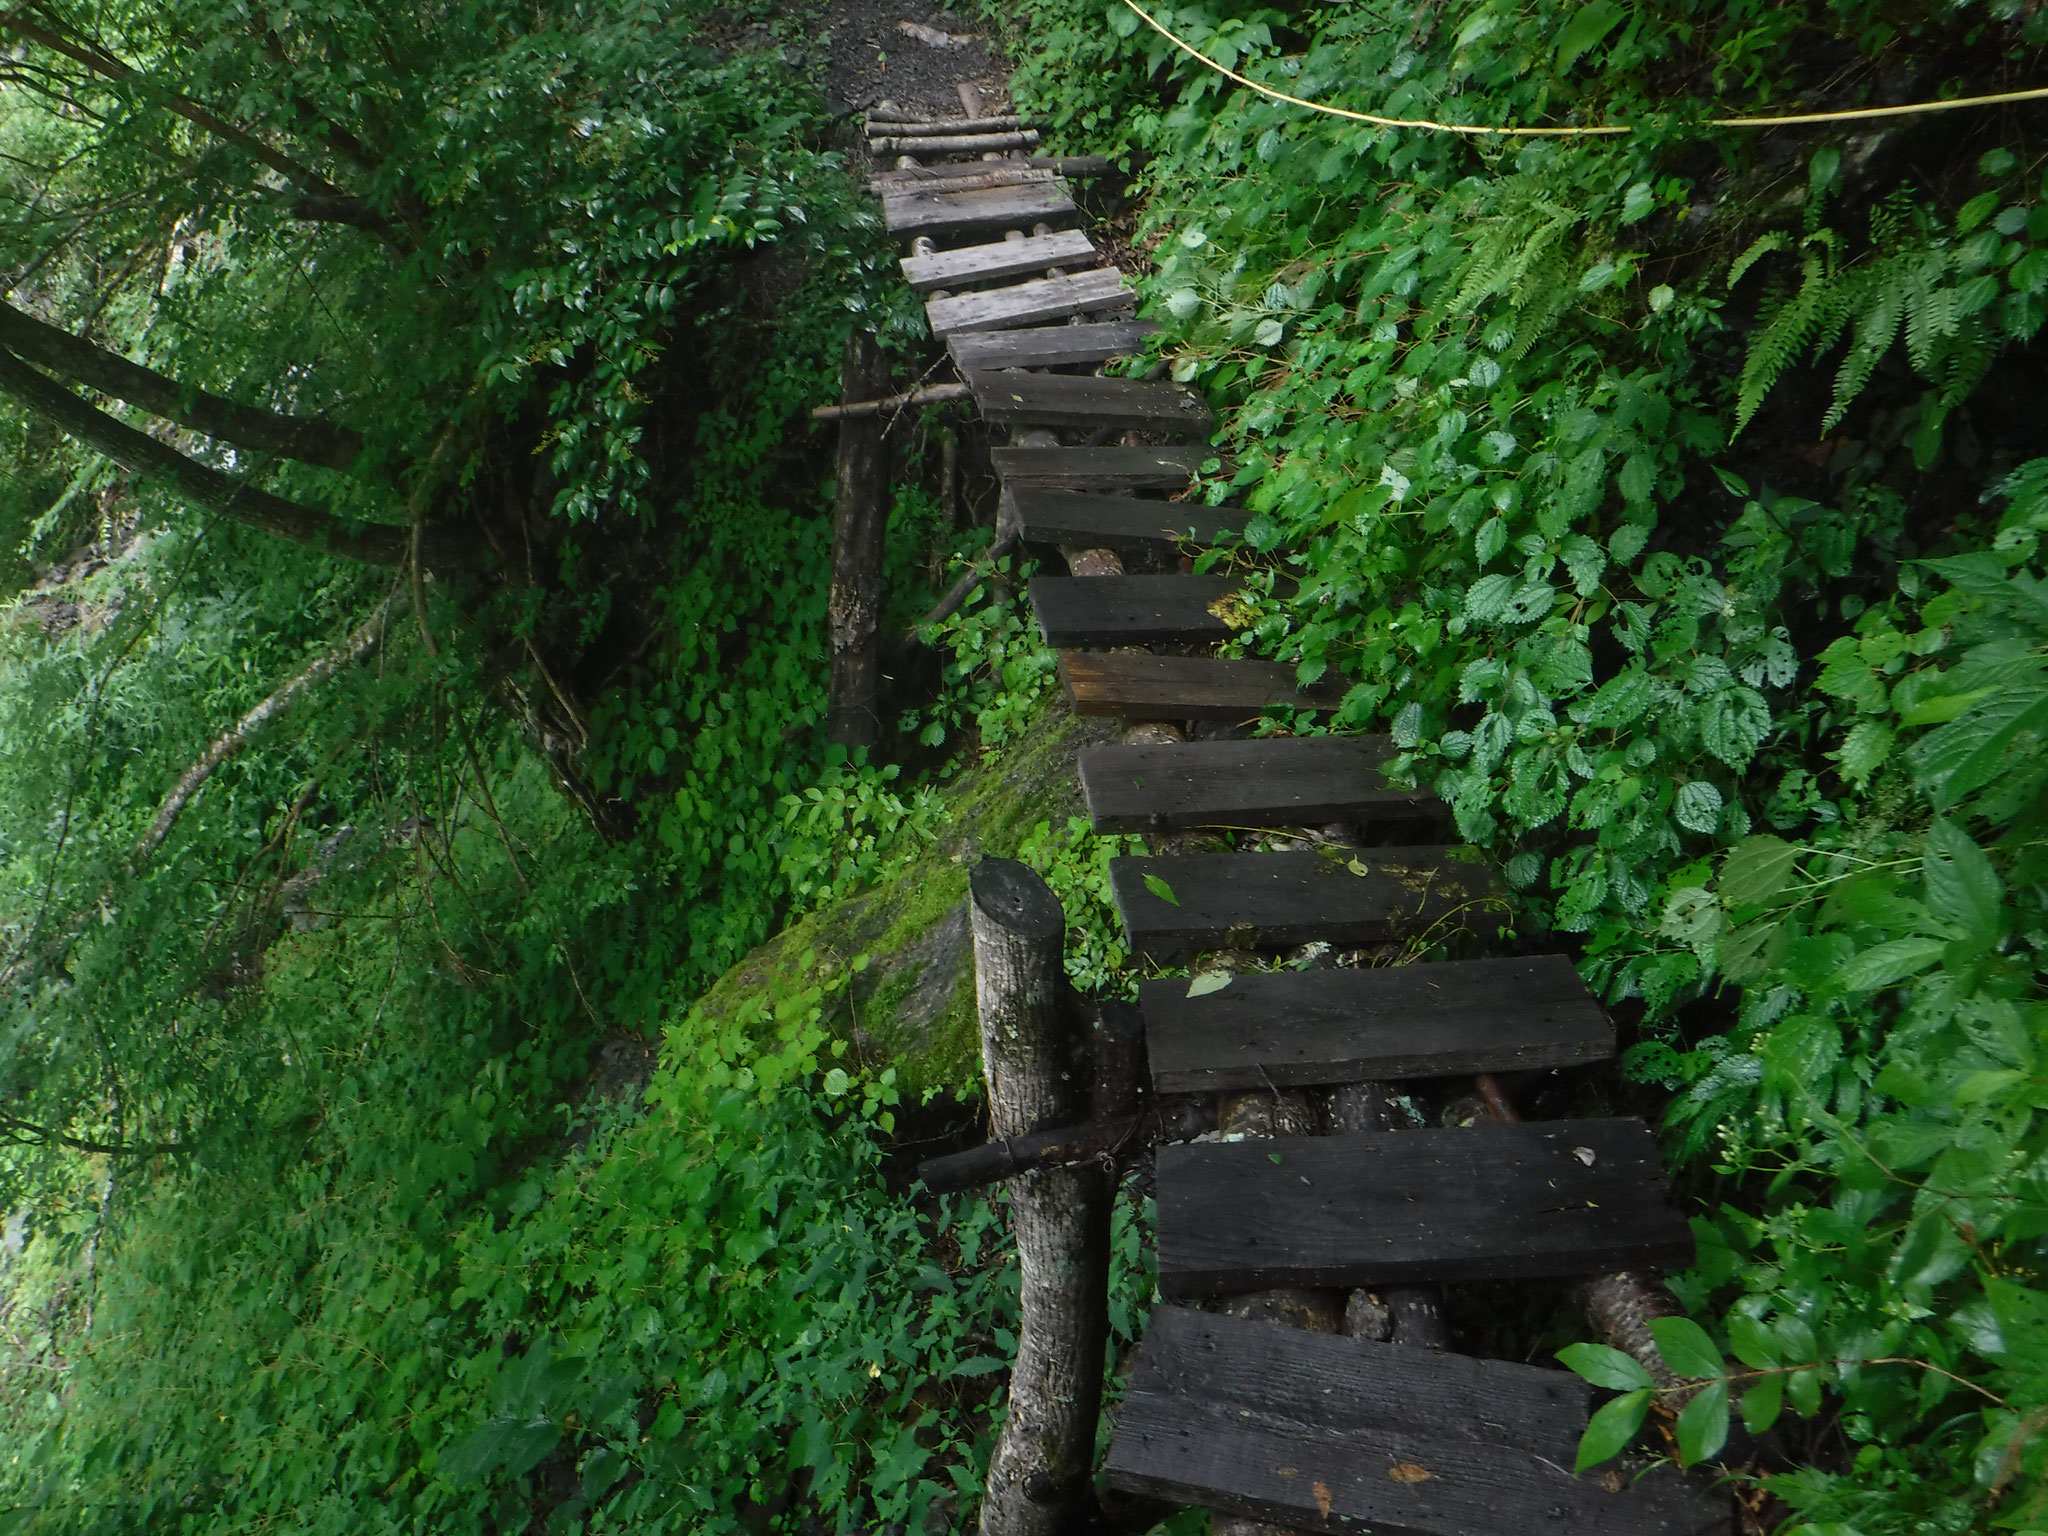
{"points": [[1559, 133]]}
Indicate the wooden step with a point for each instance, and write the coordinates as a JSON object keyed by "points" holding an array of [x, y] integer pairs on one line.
{"points": [[1275, 900], [1059, 400], [999, 259], [1033, 303], [1052, 346], [1133, 610], [1279, 781], [1140, 687], [1323, 1433], [1297, 1029], [1117, 522], [1494, 1202], [942, 214], [1088, 469]]}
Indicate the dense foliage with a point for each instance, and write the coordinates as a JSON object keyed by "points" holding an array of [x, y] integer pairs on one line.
{"points": [[1675, 501]]}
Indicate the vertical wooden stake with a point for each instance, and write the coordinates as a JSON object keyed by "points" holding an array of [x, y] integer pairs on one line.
{"points": [[860, 519], [1039, 1476]]}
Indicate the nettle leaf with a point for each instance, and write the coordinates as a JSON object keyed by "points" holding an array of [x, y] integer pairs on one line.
{"points": [[1962, 887], [1490, 540], [1585, 560], [1757, 869], [1488, 597], [1698, 807], [1622, 700], [1864, 750], [1884, 965], [1734, 723]]}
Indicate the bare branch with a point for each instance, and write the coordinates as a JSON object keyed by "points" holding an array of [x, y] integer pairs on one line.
{"points": [[309, 440], [141, 454], [358, 646]]}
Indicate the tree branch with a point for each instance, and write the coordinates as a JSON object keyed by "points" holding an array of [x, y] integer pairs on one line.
{"points": [[141, 454], [358, 646], [308, 440]]}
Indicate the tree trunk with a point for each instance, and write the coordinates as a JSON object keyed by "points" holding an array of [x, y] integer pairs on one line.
{"points": [[860, 519], [1039, 1477]]}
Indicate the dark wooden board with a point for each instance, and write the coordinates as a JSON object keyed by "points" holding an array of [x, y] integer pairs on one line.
{"points": [[1093, 520], [1269, 900], [1382, 1481], [1141, 687], [1494, 1202], [940, 213], [1090, 469], [998, 259], [1061, 400], [1028, 304], [1132, 610], [1279, 781], [1346, 1383], [1292, 1029], [1054, 346]]}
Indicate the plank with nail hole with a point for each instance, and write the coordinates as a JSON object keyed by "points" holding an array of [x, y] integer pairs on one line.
{"points": [[1062, 400], [1032, 303], [1133, 610], [998, 259], [1278, 781], [941, 214], [1052, 346], [1136, 686], [1294, 1029], [1099, 521], [1097, 469], [1180, 903], [1546, 1198]]}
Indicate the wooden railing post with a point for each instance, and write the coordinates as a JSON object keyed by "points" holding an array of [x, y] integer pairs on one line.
{"points": [[860, 519], [1039, 1477]]}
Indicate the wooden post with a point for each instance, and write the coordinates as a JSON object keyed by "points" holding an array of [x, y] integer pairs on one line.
{"points": [[860, 519], [1039, 1476]]}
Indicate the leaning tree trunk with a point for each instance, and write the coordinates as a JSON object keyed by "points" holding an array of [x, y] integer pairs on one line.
{"points": [[1039, 1477], [860, 519]]}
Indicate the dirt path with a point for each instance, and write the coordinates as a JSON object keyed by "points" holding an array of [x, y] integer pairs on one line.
{"points": [[871, 58]]}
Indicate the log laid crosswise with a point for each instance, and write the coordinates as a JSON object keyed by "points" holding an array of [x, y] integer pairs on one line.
{"points": [[1308, 936]]}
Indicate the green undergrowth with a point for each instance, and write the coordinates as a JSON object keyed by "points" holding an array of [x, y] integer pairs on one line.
{"points": [[1674, 501]]}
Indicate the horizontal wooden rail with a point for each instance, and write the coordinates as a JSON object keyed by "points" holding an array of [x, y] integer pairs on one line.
{"points": [[931, 394]]}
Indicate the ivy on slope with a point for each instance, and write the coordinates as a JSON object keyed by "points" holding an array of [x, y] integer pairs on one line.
{"points": [[1739, 713]]}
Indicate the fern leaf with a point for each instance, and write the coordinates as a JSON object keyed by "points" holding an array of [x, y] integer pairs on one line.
{"points": [[1930, 309], [1877, 327], [1968, 360], [1759, 248], [1817, 303]]}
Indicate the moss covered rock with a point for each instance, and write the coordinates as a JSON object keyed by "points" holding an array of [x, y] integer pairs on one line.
{"points": [[912, 1004]]}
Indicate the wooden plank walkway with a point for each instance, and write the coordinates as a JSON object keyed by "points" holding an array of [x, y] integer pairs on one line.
{"points": [[1315, 1431]]}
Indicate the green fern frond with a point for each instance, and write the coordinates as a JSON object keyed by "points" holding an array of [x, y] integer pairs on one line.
{"points": [[1759, 248], [1817, 308], [1966, 363], [1930, 307], [1877, 327]]}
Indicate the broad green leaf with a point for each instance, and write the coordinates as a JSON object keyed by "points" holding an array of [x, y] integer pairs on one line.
{"points": [[1686, 1347], [1698, 806], [1639, 202], [1207, 982], [506, 1443], [1756, 870], [1762, 1403], [1606, 1367], [1754, 1344], [1962, 887], [1584, 31], [1610, 1430], [1802, 1390], [1864, 750], [1702, 1427], [1162, 890], [1884, 965]]}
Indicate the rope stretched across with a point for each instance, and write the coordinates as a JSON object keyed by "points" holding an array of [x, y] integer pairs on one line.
{"points": [[1603, 130]]}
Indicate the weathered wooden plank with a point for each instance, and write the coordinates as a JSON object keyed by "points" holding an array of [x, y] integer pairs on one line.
{"points": [[1033, 303], [1117, 522], [962, 144], [1058, 400], [1276, 782], [1385, 1480], [940, 127], [1292, 1029], [1050, 346], [1493, 1202], [1132, 610], [1348, 1383], [1248, 900], [1011, 171], [998, 259], [1141, 687], [940, 213], [1092, 469]]}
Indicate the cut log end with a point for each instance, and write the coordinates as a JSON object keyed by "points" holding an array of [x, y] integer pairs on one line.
{"points": [[1013, 898]]}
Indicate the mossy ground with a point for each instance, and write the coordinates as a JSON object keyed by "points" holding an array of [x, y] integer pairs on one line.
{"points": [[912, 1005]]}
